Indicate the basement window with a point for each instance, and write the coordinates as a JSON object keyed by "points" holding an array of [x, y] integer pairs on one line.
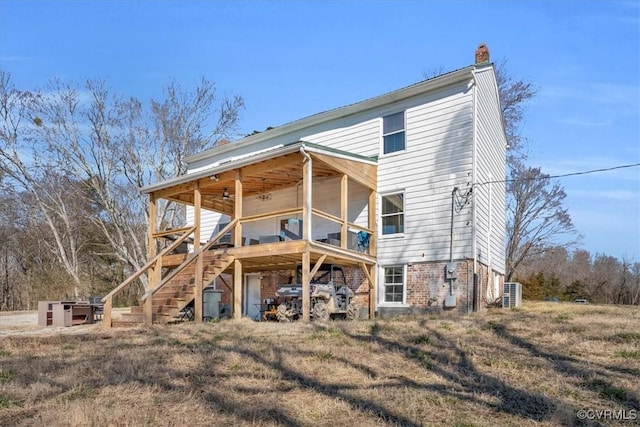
{"points": [[394, 284], [393, 133]]}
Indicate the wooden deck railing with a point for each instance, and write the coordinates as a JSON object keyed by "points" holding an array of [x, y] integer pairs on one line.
{"points": [[108, 299], [190, 258]]}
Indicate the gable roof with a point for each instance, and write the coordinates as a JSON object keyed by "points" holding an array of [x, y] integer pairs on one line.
{"points": [[358, 107], [232, 163]]}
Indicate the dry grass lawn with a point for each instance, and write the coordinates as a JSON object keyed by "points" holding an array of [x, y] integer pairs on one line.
{"points": [[538, 365]]}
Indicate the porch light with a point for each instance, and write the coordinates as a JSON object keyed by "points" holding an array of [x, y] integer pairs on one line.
{"points": [[264, 195], [225, 194]]}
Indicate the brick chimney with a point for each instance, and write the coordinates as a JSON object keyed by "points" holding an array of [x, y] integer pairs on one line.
{"points": [[222, 141], [482, 54]]}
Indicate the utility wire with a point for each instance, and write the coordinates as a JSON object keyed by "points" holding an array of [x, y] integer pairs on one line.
{"points": [[559, 176]]}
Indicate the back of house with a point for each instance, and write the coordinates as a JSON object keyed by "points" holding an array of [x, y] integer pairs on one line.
{"points": [[439, 199]]}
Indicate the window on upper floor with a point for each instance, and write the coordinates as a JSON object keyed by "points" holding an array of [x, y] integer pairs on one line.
{"points": [[393, 284], [393, 133], [393, 213]]}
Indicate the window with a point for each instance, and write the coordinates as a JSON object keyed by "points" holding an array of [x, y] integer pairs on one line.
{"points": [[393, 214], [393, 133], [393, 284]]}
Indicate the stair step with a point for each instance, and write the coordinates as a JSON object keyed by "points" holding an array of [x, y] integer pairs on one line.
{"points": [[164, 299], [137, 319], [177, 294], [130, 318], [160, 309], [168, 293]]}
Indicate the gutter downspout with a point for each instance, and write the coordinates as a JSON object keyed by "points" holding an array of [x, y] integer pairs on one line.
{"points": [[490, 281], [474, 171]]}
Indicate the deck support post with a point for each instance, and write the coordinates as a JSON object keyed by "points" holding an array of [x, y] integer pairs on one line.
{"points": [[199, 270], [307, 207], [154, 272], [344, 210], [238, 277], [307, 200], [106, 317], [373, 284], [237, 289], [306, 287], [372, 292], [237, 211], [372, 222]]}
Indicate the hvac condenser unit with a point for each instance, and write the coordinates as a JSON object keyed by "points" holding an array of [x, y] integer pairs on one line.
{"points": [[512, 295]]}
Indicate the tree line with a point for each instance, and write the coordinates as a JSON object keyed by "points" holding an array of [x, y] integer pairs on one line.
{"points": [[72, 159], [568, 275], [542, 247]]}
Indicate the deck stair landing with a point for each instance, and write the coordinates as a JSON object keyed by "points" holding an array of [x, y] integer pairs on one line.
{"points": [[177, 293]]}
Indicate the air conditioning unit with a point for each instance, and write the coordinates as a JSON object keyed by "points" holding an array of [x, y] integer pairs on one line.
{"points": [[512, 295]]}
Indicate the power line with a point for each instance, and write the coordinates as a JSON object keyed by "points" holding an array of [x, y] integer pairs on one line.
{"points": [[587, 172]]}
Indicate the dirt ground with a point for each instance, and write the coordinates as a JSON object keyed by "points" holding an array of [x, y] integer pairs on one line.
{"points": [[26, 323]]}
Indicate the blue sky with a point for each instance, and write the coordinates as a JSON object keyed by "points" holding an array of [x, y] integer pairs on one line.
{"points": [[292, 59]]}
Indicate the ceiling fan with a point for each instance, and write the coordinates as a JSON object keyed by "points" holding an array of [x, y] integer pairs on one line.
{"points": [[223, 195]]}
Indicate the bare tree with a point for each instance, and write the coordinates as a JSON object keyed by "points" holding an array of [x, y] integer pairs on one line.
{"points": [[634, 294], [536, 220], [68, 143], [514, 94], [29, 171], [605, 274], [535, 216]]}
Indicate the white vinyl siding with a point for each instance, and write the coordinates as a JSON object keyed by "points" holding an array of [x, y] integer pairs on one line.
{"points": [[438, 157], [490, 151], [324, 198], [360, 138]]}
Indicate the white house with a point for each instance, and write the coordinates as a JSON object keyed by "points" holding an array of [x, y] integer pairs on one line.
{"points": [[405, 191]]}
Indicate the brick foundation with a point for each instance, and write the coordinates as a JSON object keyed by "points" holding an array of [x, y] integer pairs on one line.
{"points": [[426, 287]]}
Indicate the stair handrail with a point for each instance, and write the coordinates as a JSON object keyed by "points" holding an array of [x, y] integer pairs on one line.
{"points": [[190, 258], [149, 264]]}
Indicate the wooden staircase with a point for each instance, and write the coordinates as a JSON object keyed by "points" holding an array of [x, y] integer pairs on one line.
{"points": [[177, 293]]}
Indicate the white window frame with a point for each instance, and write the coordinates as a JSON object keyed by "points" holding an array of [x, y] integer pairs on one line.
{"points": [[382, 287], [404, 214], [383, 134]]}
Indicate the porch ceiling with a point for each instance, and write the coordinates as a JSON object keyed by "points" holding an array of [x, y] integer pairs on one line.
{"points": [[266, 175]]}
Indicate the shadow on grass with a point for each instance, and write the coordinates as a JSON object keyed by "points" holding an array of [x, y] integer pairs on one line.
{"points": [[573, 367], [466, 382], [225, 375], [327, 388]]}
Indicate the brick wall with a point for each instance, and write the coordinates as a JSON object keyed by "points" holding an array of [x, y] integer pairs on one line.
{"points": [[426, 286]]}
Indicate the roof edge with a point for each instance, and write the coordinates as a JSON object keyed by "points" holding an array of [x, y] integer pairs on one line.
{"points": [[249, 159], [348, 110]]}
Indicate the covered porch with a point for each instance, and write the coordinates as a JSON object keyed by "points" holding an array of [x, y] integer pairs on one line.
{"points": [[290, 206]]}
